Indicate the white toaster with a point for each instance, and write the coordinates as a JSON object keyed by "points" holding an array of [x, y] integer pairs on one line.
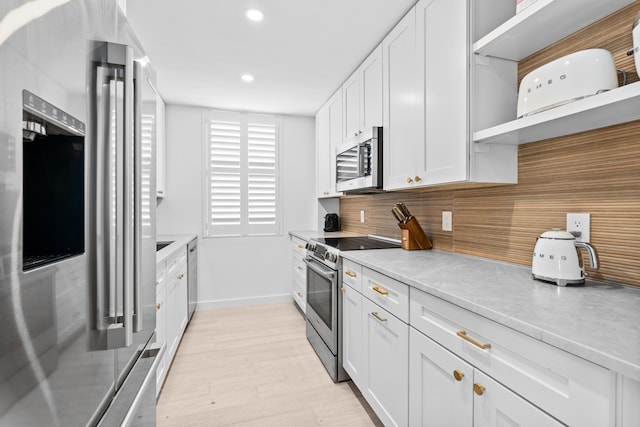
{"points": [[567, 79]]}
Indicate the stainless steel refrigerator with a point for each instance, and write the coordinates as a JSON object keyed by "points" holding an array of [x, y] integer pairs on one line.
{"points": [[77, 217]]}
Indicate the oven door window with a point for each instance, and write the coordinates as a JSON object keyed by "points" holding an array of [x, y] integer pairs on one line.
{"points": [[319, 296]]}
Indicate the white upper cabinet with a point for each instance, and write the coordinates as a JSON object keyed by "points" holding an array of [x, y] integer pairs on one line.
{"points": [[430, 84], [402, 141], [328, 136], [362, 96], [442, 40]]}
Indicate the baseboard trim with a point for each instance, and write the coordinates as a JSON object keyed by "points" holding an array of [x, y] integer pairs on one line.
{"points": [[240, 302]]}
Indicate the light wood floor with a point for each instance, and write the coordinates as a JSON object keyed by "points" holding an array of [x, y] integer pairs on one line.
{"points": [[253, 366]]}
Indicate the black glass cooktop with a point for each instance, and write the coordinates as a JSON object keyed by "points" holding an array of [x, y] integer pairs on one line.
{"points": [[357, 243]]}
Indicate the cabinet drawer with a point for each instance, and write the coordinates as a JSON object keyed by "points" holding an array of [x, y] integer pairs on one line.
{"points": [[174, 261], [569, 388], [298, 246], [352, 274], [387, 293], [161, 279], [299, 269]]}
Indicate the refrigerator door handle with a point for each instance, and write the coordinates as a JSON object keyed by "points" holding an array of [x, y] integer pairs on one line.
{"points": [[110, 197], [137, 244]]}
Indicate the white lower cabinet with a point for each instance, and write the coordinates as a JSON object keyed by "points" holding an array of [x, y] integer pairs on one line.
{"points": [[299, 273], [172, 307], [440, 385], [445, 390], [385, 364], [352, 334]]}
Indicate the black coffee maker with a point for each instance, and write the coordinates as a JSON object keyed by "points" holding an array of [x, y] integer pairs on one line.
{"points": [[331, 222]]}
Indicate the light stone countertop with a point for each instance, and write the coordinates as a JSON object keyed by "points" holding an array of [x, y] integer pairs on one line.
{"points": [[311, 234], [179, 240], [599, 322]]}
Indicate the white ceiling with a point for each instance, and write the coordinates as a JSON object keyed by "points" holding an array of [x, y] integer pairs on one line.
{"points": [[299, 54]]}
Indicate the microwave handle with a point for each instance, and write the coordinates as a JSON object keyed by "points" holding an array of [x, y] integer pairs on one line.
{"points": [[362, 158]]}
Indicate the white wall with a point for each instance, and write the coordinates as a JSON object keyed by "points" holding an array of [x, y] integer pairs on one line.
{"points": [[237, 270]]}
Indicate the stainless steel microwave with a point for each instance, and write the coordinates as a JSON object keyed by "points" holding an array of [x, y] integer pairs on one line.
{"points": [[359, 163]]}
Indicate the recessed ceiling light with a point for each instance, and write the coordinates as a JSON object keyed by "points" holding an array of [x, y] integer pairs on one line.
{"points": [[247, 78], [255, 15]]}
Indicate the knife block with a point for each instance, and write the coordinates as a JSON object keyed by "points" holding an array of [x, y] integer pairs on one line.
{"points": [[413, 236]]}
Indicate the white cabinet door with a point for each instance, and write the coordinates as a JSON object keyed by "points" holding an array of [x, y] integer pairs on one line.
{"points": [[371, 91], [328, 137], [161, 309], [386, 364], [171, 321], [351, 105], [402, 140], [182, 298], [495, 405], [362, 97], [442, 50], [440, 385], [352, 334]]}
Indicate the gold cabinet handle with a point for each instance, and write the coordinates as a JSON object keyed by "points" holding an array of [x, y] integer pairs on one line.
{"points": [[418, 179], [380, 290], [300, 294], [158, 306], [355, 134], [479, 389], [342, 289], [325, 193], [302, 246], [300, 268], [350, 273], [458, 375], [375, 314], [180, 276], [409, 180], [464, 336]]}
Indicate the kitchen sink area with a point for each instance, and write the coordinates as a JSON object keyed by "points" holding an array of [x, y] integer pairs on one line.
{"points": [[163, 244]]}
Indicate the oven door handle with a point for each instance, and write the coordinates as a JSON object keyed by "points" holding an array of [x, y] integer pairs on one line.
{"points": [[327, 274]]}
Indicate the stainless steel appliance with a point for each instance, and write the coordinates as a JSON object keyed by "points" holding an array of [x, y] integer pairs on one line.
{"points": [[192, 263], [359, 163], [557, 259], [77, 218], [567, 79], [324, 304]]}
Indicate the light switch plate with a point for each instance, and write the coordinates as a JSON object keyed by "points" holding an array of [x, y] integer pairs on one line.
{"points": [[447, 221], [361, 216]]}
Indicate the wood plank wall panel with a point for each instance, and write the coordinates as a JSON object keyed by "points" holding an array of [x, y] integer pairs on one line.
{"points": [[596, 172]]}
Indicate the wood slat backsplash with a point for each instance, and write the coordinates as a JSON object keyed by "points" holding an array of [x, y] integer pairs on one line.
{"points": [[596, 172]]}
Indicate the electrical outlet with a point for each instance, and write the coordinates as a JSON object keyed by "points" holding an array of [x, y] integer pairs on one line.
{"points": [[579, 224], [361, 216], [447, 221]]}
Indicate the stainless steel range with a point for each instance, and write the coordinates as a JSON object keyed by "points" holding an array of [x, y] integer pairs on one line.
{"points": [[324, 305]]}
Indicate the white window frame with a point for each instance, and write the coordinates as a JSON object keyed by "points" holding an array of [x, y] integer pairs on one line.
{"points": [[244, 228]]}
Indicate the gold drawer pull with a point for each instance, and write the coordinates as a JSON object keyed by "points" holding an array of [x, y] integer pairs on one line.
{"points": [[180, 276], [300, 294], [300, 268], [158, 306], [409, 180], [342, 289], [458, 375], [418, 179], [380, 290], [375, 314], [350, 273], [479, 389], [464, 336], [301, 246]]}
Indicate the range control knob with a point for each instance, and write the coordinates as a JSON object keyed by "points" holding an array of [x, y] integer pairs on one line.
{"points": [[331, 257], [310, 247]]}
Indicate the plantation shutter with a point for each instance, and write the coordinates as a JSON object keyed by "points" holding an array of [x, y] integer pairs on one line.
{"points": [[242, 174]]}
